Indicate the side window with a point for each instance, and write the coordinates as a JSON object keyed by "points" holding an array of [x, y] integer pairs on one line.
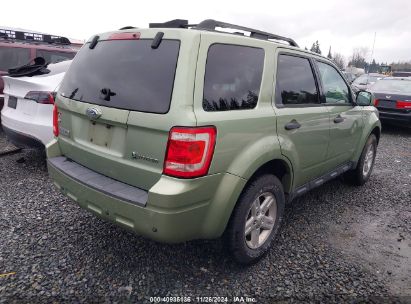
{"points": [[232, 77], [11, 57], [295, 81], [335, 88]]}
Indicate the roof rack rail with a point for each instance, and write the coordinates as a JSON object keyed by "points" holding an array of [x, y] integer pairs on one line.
{"points": [[211, 25], [176, 23], [8, 34]]}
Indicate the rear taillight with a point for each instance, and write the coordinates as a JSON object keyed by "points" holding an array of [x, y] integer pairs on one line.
{"points": [[55, 121], [403, 104], [376, 102], [41, 97], [189, 151]]}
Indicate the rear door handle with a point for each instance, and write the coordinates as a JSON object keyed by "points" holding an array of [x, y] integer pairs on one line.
{"points": [[339, 119], [293, 124]]}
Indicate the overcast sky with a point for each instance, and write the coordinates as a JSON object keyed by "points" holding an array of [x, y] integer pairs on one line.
{"points": [[344, 25]]}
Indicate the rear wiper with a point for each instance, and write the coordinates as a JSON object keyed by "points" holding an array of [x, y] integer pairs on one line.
{"points": [[107, 93], [157, 40], [94, 42]]}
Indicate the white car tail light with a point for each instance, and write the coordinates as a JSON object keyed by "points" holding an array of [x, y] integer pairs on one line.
{"points": [[41, 97]]}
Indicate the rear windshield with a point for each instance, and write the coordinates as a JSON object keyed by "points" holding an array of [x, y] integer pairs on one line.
{"points": [[392, 86], [11, 57], [55, 56], [124, 74]]}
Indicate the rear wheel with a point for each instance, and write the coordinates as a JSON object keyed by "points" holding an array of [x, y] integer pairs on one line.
{"points": [[360, 175], [256, 219]]}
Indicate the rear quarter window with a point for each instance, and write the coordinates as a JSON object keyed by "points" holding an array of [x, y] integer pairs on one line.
{"points": [[232, 78]]}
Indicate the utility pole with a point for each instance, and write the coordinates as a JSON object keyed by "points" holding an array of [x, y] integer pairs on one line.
{"points": [[372, 52]]}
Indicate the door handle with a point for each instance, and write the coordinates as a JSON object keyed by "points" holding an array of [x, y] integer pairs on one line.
{"points": [[339, 119], [293, 124]]}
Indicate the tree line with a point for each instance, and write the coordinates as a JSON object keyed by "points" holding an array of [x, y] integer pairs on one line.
{"points": [[358, 59]]}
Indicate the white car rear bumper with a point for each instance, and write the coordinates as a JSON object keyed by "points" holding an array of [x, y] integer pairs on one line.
{"points": [[35, 127]]}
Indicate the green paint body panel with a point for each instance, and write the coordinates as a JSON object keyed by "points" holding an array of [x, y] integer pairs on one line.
{"points": [[184, 209], [177, 210]]}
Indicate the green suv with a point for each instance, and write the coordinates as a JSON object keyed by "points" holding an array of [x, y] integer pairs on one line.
{"points": [[182, 132]]}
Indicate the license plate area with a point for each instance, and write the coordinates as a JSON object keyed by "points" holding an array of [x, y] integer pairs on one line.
{"points": [[12, 102], [387, 104], [101, 134]]}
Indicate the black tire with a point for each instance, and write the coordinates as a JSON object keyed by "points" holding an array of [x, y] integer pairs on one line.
{"points": [[357, 176], [235, 233]]}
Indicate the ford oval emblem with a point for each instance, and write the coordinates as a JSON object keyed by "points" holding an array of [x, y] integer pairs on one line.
{"points": [[93, 113]]}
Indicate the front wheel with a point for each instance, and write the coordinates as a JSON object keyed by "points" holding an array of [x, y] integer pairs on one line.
{"points": [[256, 219], [361, 174]]}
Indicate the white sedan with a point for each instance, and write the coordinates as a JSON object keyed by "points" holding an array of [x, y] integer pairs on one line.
{"points": [[27, 115]]}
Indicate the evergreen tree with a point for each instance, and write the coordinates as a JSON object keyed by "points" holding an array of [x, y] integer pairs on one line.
{"points": [[313, 49], [329, 54], [316, 48]]}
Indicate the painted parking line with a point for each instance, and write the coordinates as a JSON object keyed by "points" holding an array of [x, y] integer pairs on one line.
{"points": [[6, 274]]}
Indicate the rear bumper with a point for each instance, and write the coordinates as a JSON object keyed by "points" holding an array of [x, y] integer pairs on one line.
{"points": [[395, 117], [176, 210], [39, 129], [22, 140]]}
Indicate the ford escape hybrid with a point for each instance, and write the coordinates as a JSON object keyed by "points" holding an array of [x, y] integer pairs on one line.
{"points": [[182, 132]]}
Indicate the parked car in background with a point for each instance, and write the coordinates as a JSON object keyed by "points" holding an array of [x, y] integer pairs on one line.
{"points": [[349, 76], [27, 115], [401, 74], [175, 135], [18, 47], [393, 99], [365, 81], [354, 70]]}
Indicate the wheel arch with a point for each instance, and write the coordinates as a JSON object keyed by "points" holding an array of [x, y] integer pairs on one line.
{"points": [[373, 127], [377, 132], [280, 168]]}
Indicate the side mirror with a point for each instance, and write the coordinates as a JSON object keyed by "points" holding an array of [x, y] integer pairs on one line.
{"points": [[364, 98]]}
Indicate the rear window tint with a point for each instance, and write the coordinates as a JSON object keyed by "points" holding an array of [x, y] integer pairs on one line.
{"points": [[12, 57], [124, 74], [232, 78], [55, 56]]}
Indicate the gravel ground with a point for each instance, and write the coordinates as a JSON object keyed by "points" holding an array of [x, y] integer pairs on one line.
{"points": [[338, 243]]}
